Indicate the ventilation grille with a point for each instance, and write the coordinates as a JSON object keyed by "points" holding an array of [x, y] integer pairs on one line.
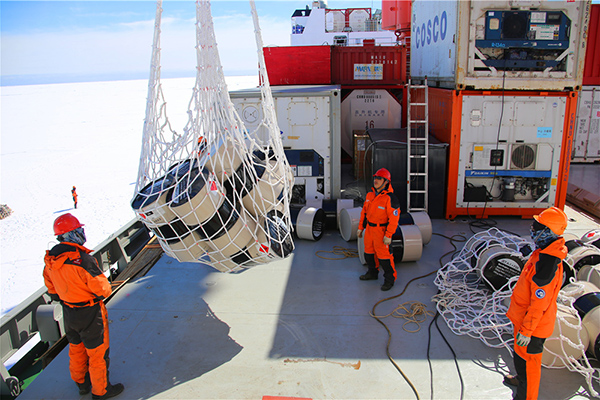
{"points": [[523, 156]]}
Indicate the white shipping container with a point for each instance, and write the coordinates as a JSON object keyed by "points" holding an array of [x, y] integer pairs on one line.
{"points": [[510, 151], [465, 44], [367, 109], [309, 119], [586, 141]]}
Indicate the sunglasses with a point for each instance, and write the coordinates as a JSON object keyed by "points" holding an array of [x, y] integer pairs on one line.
{"points": [[377, 177]]}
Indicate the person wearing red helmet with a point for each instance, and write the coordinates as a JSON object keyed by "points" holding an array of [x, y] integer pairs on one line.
{"points": [[74, 278], [533, 302], [379, 221]]}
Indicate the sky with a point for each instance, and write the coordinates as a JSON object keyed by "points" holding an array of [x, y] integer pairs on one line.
{"points": [[70, 41]]}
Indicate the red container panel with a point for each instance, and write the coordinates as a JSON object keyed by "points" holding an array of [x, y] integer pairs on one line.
{"points": [[395, 14], [591, 69], [298, 65], [370, 65]]}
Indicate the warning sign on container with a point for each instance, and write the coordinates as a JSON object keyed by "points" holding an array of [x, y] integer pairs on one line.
{"points": [[368, 71]]}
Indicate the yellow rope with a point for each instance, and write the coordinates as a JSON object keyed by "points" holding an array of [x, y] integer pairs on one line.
{"points": [[414, 312], [339, 251]]}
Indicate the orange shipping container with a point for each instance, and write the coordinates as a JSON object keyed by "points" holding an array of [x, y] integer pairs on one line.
{"points": [[508, 151]]}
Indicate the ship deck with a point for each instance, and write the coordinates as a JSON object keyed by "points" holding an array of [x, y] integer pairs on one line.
{"points": [[298, 327]]}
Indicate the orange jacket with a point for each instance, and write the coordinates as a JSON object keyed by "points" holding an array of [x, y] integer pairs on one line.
{"points": [[74, 275], [533, 302], [382, 208]]}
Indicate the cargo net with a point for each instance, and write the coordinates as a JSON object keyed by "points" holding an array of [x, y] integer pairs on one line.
{"points": [[215, 194], [474, 296]]}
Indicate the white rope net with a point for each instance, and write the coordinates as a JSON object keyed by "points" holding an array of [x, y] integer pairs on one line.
{"points": [[473, 305], [215, 194]]}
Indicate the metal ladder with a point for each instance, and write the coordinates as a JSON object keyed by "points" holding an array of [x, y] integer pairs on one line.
{"points": [[417, 150]]}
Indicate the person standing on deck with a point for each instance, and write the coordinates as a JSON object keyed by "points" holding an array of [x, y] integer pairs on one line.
{"points": [[379, 221], [74, 194], [74, 278], [533, 302]]}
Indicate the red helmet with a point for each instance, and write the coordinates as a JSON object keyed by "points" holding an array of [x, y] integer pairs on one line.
{"points": [[66, 223], [554, 218], [384, 173]]}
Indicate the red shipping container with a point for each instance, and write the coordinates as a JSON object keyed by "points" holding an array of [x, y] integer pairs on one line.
{"points": [[298, 65], [370, 65], [591, 69]]}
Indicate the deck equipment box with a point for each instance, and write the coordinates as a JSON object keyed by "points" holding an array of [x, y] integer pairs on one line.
{"points": [[482, 45], [509, 151], [387, 149]]}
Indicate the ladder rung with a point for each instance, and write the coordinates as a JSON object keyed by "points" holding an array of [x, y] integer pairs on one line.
{"points": [[417, 191], [418, 174], [417, 86], [416, 138], [417, 209], [417, 104]]}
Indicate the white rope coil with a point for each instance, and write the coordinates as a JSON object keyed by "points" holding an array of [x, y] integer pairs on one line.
{"points": [[216, 193], [471, 306]]}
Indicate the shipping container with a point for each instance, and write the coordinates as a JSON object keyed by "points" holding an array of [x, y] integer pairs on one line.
{"points": [[591, 71], [368, 65], [309, 121], [298, 65], [586, 141], [364, 109], [509, 152], [483, 45]]}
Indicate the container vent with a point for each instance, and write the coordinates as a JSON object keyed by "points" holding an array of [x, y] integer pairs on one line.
{"points": [[514, 26], [523, 156]]}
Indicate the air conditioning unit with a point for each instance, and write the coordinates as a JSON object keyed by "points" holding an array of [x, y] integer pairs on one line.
{"points": [[523, 156]]}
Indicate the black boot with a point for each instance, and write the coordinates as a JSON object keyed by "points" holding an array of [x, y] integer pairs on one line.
{"points": [[388, 274], [111, 391], [86, 386], [372, 272]]}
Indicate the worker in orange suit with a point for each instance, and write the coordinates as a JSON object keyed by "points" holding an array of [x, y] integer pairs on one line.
{"points": [[533, 302], [74, 194], [74, 278], [379, 221]]}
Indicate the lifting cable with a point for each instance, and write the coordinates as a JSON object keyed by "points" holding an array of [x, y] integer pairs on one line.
{"points": [[453, 239]]}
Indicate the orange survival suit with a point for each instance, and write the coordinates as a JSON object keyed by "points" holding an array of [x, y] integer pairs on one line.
{"points": [[379, 217], [74, 276], [533, 312]]}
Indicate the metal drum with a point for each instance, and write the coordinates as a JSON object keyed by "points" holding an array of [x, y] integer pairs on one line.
{"points": [[420, 219], [197, 196], [588, 307], [407, 243], [590, 273], [229, 230], [556, 350], [349, 222], [267, 193], [310, 223], [226, 158], [190, 248], [151, 202], [497, 265]]}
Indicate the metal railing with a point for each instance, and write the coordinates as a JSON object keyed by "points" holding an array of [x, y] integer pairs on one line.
{"points": [[22, 323]]}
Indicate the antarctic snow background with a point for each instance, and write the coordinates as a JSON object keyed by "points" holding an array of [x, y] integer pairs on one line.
{"points": [[57, 136]]}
